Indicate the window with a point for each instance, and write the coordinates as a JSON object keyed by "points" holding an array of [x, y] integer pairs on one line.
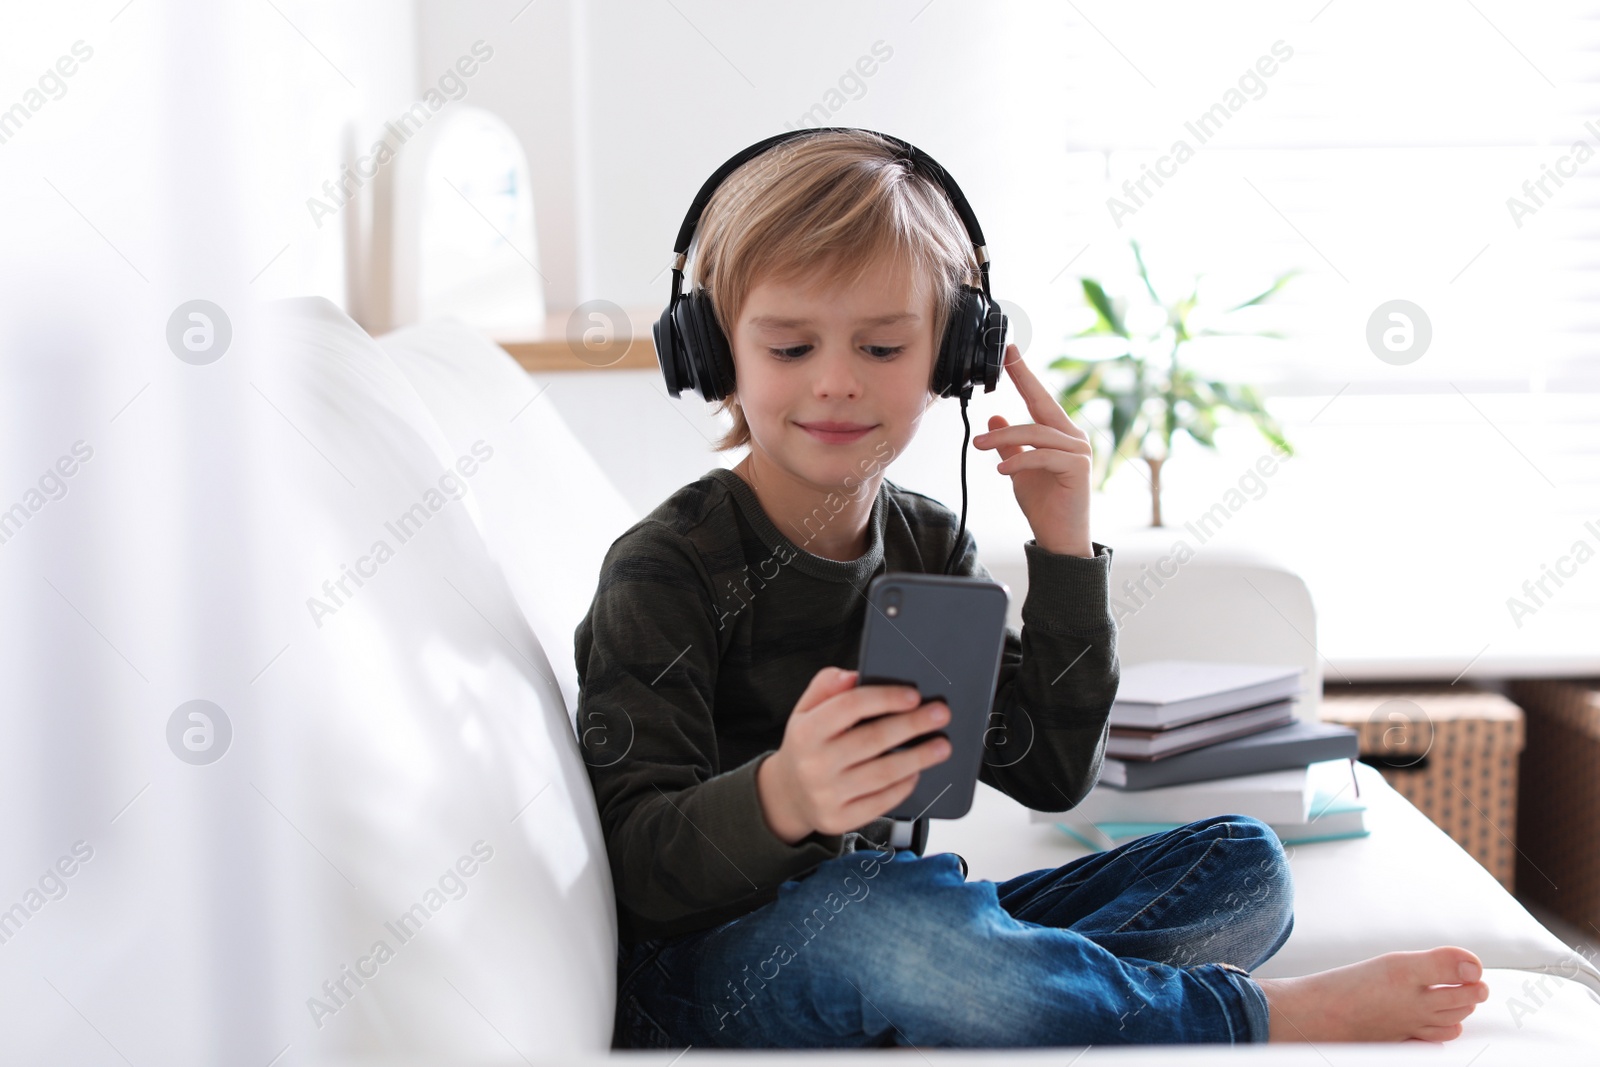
{"points": [[478, 258], [1442, 153]]}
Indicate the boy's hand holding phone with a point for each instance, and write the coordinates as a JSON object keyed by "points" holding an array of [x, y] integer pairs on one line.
{"points": [[834, 772]]}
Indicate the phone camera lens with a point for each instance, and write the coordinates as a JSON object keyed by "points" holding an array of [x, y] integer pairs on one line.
{"points": [[891, 601]]}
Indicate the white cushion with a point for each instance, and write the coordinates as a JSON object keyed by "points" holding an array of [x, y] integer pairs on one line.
{"points": [[416, 721], [546, 509]]}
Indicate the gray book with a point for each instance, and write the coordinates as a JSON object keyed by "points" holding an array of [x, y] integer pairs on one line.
{"points": [[1298, 744], [1166, 693], [1129, 744]]}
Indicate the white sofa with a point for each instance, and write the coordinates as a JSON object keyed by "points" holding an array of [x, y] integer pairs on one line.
{"points": [[413, 754], [1407, 886]]}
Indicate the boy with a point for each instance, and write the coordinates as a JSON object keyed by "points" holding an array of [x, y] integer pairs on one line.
{"points": [[759, 901]]}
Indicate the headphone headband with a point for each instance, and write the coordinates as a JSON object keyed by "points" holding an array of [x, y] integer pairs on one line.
{"points": [[693, 350], [920, 161]]}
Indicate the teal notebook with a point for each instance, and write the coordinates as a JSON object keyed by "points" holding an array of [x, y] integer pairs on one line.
{"points": [[1334, 816]]}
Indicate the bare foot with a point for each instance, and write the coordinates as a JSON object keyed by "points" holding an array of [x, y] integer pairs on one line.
{"points": [[1385, 998]]}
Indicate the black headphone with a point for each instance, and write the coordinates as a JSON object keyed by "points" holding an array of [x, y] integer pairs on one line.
{"points": [[693, 350]]}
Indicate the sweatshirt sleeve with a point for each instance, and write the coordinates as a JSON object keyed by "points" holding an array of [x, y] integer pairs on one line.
{"points": [[687, 839], [1048, 727]]}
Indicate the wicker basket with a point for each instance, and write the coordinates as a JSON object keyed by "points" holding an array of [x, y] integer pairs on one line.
{"points": [[1559, 826], [1449, 749]]}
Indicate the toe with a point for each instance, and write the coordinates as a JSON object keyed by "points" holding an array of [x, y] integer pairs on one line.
{"points": [[1461, 998], [1451, 1016], [1444, 965], [1440, 1033]]}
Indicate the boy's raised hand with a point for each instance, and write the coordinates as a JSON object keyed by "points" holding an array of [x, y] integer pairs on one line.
{"points": [[1051, 479]]}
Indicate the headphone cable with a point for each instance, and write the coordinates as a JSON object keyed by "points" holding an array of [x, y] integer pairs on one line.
{"points": [[914, 834], [966, 434]]}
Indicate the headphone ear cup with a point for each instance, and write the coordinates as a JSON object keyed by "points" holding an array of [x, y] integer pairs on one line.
{"points": [[706, 348], [719, 354], [993, 346], [688, 326], [669, 353], [962, 345]]}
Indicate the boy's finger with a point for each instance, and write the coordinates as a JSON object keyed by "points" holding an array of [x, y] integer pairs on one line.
{"points": [[828, 682], [1041, 405], [998, 422], [843, 711]]}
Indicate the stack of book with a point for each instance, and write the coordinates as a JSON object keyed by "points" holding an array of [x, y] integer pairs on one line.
{"points": [[1177, 721], [1189, 740], [1318, 802]]}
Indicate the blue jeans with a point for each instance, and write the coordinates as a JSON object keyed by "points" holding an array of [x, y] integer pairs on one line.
{"points": [[1149, 942]]}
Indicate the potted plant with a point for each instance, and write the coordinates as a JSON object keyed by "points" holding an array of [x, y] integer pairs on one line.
{"points": [[1151, 395]]}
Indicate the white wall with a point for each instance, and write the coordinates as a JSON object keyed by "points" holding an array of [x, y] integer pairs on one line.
{"points": [[530, 83], [625, 109], [316, 75]]}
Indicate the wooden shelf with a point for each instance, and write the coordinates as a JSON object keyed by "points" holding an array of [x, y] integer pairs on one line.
{"points": [[560, 344]]}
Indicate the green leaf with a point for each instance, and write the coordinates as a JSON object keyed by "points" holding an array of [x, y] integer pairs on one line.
{"points": [[1202, 427], [1080, 391], [1102, 304], [1275, 334], [1070, 363], [1241, 398], [1273, 434], [1277, 283], [1144, 275], [1124, 412]]}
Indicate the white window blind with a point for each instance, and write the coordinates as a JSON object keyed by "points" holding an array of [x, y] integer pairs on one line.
{"points": [[1378, 157], [1376, 148]]}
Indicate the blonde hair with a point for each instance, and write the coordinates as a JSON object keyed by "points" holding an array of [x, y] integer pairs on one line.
{"points": [[834, 202]]}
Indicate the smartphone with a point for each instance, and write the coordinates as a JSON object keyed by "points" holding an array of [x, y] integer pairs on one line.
{"points": [[943, 634]]}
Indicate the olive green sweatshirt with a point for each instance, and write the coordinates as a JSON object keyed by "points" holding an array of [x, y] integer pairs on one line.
{"points": [[707, 625]]}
